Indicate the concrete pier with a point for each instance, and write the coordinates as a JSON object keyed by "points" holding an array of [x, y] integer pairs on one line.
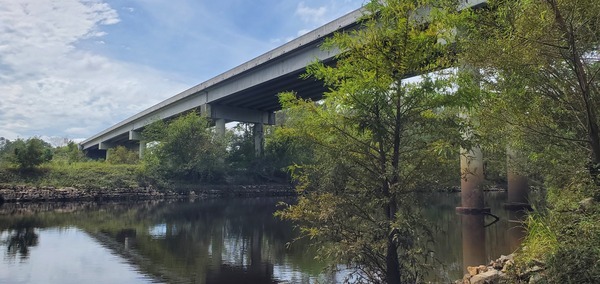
{"points": [[259, 139], [471, 168]]}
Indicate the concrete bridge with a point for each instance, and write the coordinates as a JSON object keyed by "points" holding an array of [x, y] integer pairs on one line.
{"points": [[246, 93]]}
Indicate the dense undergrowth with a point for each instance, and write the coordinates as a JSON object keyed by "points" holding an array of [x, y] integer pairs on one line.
{"points": [[564, 238]]}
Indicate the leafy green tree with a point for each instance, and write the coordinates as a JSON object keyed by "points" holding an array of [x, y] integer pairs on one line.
{"points": [[538, 61], [30, 153], [185, 150], [5, 149], [379, 139], [69, 153], [241, 157], [539, 70]]}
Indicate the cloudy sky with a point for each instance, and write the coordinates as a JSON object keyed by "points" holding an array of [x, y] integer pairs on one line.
{"points": [[71, 68]]}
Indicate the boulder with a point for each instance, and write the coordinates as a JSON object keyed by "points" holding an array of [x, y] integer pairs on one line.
{"points": [[473, 270], [488, 277]]}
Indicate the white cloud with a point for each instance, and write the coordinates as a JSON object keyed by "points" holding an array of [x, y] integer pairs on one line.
{"points": [[311, 15], [49, 86]]}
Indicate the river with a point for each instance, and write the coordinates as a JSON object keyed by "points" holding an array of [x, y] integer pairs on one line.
{"points": [[212, 241]]}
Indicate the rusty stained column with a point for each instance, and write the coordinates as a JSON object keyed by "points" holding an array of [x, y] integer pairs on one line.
{"points": [[471, 168], [518, 185]]}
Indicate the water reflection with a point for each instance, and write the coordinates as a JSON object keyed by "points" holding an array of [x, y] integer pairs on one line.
{"points": [[19, 240], [233, 240], [473, 240]]}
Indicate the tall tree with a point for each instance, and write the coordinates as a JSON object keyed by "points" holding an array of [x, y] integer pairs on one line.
{"points": [[185, 150], [379, 138], [539, 66], [539, 61], [27, 154]]}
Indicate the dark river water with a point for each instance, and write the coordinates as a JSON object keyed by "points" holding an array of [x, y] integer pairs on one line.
{"points": [[211, 241]]}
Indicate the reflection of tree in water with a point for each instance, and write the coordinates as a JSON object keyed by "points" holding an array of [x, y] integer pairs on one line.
{"points": [[19, 240]]}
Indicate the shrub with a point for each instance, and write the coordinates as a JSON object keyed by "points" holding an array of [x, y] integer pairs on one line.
{"points": [[31, 153], [121, 155]]}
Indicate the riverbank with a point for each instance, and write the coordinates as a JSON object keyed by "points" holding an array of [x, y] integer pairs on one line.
{"points": [[19, 193]]}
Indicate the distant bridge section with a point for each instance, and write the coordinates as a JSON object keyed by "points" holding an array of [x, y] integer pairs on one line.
{"points": [[246, 93]]}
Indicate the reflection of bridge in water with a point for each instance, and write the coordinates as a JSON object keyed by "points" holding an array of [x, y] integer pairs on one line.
{"points": [[220, 270], [215, 241]]}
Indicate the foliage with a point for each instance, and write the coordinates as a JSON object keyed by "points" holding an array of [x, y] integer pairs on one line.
{"points": [[281, 151], [83, 175], [378, 139], [185, 150], [69, 153], [122, 155], [27, 154], [542, 78], [539, 72]]}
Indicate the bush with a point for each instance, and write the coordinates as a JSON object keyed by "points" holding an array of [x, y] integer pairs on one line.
{"points": [[121, 155], [69, 154], [31, 153]]}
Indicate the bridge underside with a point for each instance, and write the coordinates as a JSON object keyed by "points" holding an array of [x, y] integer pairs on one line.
{"points": [[253, 105]]}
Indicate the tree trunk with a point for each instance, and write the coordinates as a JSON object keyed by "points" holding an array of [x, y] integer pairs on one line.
{"points": [[586, 93], [392, 273]]}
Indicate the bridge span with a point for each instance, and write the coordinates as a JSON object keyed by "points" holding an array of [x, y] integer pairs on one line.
{"points": [[246, 93]]}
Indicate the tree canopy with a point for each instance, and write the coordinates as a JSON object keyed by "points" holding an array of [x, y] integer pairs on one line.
{"points": [[379, 137]]}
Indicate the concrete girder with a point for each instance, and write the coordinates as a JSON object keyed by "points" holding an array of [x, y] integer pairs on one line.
{"points": [[238, 114]]}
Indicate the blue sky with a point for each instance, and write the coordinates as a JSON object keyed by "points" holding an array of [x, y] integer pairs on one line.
{"points": [[71, 68]]}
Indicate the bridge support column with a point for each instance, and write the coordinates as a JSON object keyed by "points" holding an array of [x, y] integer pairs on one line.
{"points": [[105, 146], [259, 139], [471, 165], [518, 185], [220, 126], [137, 136], [142, 148]]}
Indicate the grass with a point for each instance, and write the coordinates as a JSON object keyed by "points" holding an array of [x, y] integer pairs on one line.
{"points": [[83, 175], [565, 239]]}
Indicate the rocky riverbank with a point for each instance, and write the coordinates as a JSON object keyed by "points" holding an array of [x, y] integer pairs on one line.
{"points": [[47, 193], [502, 270]]}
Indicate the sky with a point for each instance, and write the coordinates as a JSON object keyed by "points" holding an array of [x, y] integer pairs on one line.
{"points": [[72, 68]]}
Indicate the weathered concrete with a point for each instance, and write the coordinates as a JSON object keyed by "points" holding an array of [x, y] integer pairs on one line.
{"points": [[472, 177], [259, 139]]}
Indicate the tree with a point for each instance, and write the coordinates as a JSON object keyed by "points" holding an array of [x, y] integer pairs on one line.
{"points": [[30, 153], [69, 153], [186, 150], [539, 70], [379, 139], [539, 65]]}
